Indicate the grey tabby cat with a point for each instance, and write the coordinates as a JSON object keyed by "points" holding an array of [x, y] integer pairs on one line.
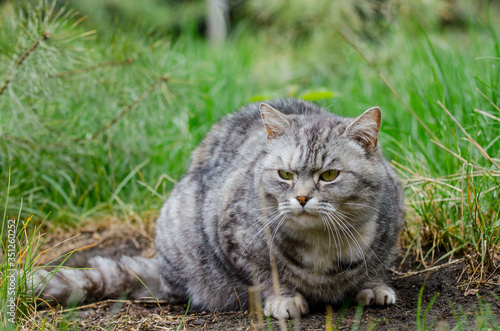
{"points": [[316, 183]]}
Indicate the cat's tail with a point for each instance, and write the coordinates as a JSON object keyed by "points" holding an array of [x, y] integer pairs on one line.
{"points": [[130, 278]]}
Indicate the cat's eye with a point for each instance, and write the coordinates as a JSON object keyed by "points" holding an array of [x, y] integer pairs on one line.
{"points": [[329, 175], [285, 175]]}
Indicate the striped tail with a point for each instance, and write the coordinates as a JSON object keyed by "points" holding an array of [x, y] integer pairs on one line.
{"points": [[130, 277]]}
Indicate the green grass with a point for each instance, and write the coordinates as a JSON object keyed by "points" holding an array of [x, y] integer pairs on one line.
{"points": [[99, 116], [19, 252]]}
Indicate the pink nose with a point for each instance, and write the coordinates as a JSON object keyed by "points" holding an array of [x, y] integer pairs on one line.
{"points": [[302, 200]]}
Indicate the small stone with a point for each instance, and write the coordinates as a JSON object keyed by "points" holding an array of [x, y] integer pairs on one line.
{"points": [[199, 321]]}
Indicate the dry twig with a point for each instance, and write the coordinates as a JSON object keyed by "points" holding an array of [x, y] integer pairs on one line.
{"points": [[469, 137], [413, 273]]}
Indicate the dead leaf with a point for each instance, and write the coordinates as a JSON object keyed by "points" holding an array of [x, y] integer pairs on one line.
{"points": [[472, 291]]}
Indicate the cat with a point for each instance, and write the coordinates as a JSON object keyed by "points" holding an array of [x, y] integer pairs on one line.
{"points": [[281, 184]]}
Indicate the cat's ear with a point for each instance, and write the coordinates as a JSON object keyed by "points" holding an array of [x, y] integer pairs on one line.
{"points": [[365, 128], [275, 121]]}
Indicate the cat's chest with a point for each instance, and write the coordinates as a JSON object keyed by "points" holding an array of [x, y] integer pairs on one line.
{"points": [[319, 257], [321, 253]]}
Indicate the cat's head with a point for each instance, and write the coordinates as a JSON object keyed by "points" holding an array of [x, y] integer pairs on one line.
{"points": [[321, 167]]}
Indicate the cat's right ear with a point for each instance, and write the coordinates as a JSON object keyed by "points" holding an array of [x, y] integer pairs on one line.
{"points": [[275, 121]]}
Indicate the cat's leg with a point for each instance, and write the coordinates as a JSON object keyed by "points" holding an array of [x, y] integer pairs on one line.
{"points": [[285, 306], [376, 294]]}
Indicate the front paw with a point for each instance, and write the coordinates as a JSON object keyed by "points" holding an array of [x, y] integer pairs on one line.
{"points": [[380, 295], [285, 307]]}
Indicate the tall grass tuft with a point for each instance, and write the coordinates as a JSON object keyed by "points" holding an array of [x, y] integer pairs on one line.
{"points": [[20, 258], [453, 176]]}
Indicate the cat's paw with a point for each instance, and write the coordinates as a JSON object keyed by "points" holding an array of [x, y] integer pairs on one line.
{"points": [[285, 307], [380, 295]]}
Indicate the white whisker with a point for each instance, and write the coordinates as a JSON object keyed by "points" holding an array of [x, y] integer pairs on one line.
{"points": [[380, 201], [273, 217], [332, 226], [349, 234], [362, 205], [327, 228], [363, 239], [282, 220]]}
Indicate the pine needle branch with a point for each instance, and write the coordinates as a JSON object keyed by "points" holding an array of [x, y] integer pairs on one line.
{"points": [[128, 108], [99, 132], [22, 58], [18, 139], [93, 67], [116, 119]]}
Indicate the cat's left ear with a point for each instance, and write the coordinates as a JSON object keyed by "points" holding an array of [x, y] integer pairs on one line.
{"points": [[365, 128], [275, 121]]}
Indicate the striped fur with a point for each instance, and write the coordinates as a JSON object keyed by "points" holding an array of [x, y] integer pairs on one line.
{"points": [[211, 238]]}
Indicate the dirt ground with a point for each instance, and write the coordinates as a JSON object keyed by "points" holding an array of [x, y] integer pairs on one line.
{"points": [[447, 282]]}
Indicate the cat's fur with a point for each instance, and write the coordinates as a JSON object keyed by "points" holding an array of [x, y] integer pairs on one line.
{"points": [[214, 231]]}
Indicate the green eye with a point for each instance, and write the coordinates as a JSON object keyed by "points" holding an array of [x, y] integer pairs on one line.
{"points": [[329, 175], [285, 175]]}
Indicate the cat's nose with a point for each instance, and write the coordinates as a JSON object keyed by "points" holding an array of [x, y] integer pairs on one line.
{"points": [[302, 200]]}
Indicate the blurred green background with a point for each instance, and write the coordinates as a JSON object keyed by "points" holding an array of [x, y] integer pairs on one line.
{"points": [[103, 101]]}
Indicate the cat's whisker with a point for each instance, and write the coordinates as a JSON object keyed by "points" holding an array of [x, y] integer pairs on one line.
{"points": [[339, 217], [332, 209], [341, 220], [364, 241], [346, 214], [333, 225], [350, 246], [336, 225], [273, 217], [362, 205], [284, 217], [274, 213], [328, 231], [345, 230], [339, 240], [381, 203], [327, 228], [269, 207]]}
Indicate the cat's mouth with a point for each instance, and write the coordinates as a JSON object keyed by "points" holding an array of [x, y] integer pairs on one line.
{"points": [[306, 213], [307, 219]]}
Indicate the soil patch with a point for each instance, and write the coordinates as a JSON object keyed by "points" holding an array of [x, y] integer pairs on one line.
{"points": [[447, 299]]}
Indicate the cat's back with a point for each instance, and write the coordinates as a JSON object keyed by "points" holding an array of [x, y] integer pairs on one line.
{"points": [[242, 134]]}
